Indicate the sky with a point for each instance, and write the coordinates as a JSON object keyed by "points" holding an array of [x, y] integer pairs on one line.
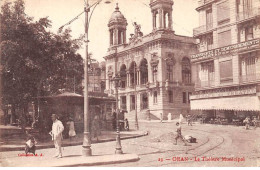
{"points": [[60, 12]]}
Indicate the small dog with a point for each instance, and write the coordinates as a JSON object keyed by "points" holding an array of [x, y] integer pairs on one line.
{"points": [[30, 145]]}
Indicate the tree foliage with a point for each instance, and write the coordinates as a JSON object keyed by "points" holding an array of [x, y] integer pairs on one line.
{"points": [[35, 61]]}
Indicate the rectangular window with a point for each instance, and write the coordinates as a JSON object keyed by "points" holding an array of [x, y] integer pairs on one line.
{"points": [[249, 33], [226, 71], [189, 94], [224, 38], [169, 72], [122, 84], [209, 19], [132, 104], [223, 12], [170, 95], [207, 74], [210, 42], [248, 71], [123, 102], [184, 99], [154, 73], [110, 83], [155, 97], [247, 5], [144, 101], [237, 6]]}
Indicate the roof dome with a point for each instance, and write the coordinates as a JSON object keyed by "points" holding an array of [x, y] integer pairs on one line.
{"points": [[117, 15]]}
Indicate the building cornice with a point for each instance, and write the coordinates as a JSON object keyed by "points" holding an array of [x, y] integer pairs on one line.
{"points": [[154, 38]]}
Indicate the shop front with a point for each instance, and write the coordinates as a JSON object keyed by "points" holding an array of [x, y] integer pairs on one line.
{"points": [[220, 107], [71, 105]]}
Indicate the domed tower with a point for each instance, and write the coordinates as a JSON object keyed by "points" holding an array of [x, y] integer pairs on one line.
{"points": [[162, 14], [117, 28]]}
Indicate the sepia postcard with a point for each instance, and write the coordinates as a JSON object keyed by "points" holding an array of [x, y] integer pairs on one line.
{"points": [[130, 83]]}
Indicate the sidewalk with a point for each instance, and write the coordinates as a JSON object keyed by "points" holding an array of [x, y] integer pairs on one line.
{"points": [[74, 161], [17, 141]]}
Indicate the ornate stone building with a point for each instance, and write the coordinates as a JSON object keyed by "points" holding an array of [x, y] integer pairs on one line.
{"points": [[228, 62], [155, 69]]}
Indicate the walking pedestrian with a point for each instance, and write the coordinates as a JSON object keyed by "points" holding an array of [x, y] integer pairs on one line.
{"points": [[161, 117], [189, 120], [71, 126], [95, 127], [114, 121], [181, 118], [126, 124], [179, 135], [56, 133]]}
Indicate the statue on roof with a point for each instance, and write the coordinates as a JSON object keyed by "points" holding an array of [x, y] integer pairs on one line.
{"points": [[138, 32]]}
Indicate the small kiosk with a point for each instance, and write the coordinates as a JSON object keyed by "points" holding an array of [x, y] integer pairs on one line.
{"points": [[71, 105]]}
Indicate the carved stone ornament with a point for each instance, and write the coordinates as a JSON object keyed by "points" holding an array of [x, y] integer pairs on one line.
{"points": [[110, 72], [154, 60], [147, 85], [170, 60]]}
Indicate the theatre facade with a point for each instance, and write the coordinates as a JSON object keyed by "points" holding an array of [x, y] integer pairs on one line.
{"points": [[228, 63], [154, 69]]}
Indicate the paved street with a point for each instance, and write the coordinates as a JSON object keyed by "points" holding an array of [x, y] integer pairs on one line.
{"points": [[156, 149]]}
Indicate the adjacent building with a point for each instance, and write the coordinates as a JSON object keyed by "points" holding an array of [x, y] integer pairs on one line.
{"points": [[96, 76], [155, 69], [228, 62]]}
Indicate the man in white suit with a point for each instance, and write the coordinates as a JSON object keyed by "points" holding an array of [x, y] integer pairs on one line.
{"points": [[56, 133]]}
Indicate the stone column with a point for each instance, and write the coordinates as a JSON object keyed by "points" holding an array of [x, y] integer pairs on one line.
{"points": [[170, 20], [160, 18], [163, 19], [124, 36], [138, 77], [154, 20], [111, 37], [115, 37], [127, 79]]}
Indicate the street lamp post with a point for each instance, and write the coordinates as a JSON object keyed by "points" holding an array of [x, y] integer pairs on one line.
{"points": [[116, 80], [86, 151], [136, 119]]}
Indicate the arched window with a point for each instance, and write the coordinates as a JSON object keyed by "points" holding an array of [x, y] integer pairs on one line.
{"points": [[144, 71], [170, 61], [133, 75], [123, 76], [186, 71]]}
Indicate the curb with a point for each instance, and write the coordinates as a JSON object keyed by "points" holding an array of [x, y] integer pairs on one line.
{"points": [[86, 161], [20, 148]]}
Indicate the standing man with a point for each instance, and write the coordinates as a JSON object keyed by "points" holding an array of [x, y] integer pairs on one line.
{"points": [[179, 135], [189, 120], [56, 133], [161, 117]]}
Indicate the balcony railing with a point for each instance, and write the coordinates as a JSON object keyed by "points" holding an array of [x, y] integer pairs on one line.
{"points": [[204, 84], [202, 29], [203, 2], [248, 14], [249, 78]]}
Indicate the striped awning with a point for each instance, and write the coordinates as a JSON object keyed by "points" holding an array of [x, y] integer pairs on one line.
{"points": [[239, 103]]}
